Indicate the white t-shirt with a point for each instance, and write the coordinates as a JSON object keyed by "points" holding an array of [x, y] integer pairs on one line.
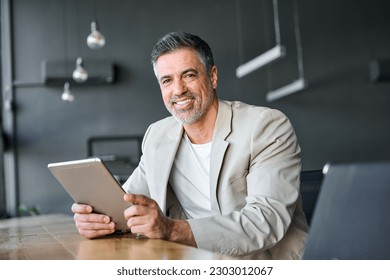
{"points": [[190, 178]]}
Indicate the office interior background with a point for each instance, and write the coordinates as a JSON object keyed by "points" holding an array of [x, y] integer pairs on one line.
{"points": [[341, 115]]}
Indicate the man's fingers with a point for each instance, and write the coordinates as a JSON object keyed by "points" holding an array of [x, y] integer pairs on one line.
{"points": [[139, 230], [92, 218], [94, 229], [81, 208], [137, 220], [91, 225], [138, 199], [145, 217], [95, 226], [136, 211]]}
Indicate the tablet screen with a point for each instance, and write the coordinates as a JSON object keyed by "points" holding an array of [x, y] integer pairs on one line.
{"points": [[88, 181]]}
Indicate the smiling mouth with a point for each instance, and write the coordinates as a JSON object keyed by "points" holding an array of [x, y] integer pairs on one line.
{"points": [[183, 103]]}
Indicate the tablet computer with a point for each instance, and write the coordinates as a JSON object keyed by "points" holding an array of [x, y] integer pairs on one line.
{"points": [[88, 181]]}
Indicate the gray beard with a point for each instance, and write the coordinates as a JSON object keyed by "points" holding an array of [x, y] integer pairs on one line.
{"points": [[197, 115]]}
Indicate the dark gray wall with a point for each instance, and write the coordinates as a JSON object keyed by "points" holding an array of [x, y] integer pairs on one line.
{"points": [[340, 116]]}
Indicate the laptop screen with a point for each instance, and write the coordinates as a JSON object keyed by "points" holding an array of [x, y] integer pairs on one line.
{"points": [[351, 217]]}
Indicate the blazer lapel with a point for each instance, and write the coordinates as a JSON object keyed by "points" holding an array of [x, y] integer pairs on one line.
{"points": [[219, 146], [164, 156]]}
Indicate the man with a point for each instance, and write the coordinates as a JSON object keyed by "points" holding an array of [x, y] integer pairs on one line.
{"points": [[218, 175]]}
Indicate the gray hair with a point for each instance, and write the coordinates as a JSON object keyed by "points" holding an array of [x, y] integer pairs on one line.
{"points": [[178, 40]]}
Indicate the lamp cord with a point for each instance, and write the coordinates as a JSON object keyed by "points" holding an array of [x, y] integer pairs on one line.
{"points": [[239, 33], [65, 38], [276, 22], [298, 40]]}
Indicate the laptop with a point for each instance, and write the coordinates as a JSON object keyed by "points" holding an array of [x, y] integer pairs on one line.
{"points": [[88, 181], [351, 218]]}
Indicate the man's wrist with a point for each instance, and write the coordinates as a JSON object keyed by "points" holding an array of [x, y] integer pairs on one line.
{"points": [[180, 232]]}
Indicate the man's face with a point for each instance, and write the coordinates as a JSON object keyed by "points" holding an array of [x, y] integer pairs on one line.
{"points": [[187, 90]]}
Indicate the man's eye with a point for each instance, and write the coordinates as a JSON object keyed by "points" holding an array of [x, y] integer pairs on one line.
{"points": [[165, 81], [190, 75]]}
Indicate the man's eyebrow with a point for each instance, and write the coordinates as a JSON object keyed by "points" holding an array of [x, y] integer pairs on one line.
{"points": [[164, 77], [182, 73], [189, 70]]}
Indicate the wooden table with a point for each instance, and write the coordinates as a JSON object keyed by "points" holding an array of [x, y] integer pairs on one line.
{"points": [[54, 237]]}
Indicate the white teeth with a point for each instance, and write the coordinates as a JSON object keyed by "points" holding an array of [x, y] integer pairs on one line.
{"points": [[183, 102]]}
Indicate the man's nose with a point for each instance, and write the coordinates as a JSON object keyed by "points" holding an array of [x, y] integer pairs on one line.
{"points": [[179, 87]]}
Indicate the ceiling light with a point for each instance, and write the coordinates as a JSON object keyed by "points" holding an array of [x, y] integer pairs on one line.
{"points": [[67, 95], [80, 75], [95, 39], [295, 86], [260, 61]]}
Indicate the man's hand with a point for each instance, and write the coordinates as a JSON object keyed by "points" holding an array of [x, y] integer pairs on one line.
{"points": [[91, 225], [146, 218]]}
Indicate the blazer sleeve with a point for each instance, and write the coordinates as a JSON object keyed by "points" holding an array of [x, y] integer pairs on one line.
{"points": [[272, 185], [137, 182]]}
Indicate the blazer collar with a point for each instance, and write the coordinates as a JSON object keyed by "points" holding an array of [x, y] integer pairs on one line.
{"points": [[218, 149], [224, 121], [164, 156]]}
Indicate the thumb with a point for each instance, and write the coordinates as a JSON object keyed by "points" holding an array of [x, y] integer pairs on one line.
{"points": [[138, 199]]}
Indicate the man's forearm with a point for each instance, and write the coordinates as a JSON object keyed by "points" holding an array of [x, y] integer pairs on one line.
{"points": [[180, 232]]}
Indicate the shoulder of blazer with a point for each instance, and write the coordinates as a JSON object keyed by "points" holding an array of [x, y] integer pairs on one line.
{"points": [[164, 130], [242, 112]]}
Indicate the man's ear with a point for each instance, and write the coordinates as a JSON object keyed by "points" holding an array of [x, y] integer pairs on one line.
{"points": [[214, 76]]}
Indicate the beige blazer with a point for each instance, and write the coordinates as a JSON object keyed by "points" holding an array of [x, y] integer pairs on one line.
{"points": [[254, 182]]}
